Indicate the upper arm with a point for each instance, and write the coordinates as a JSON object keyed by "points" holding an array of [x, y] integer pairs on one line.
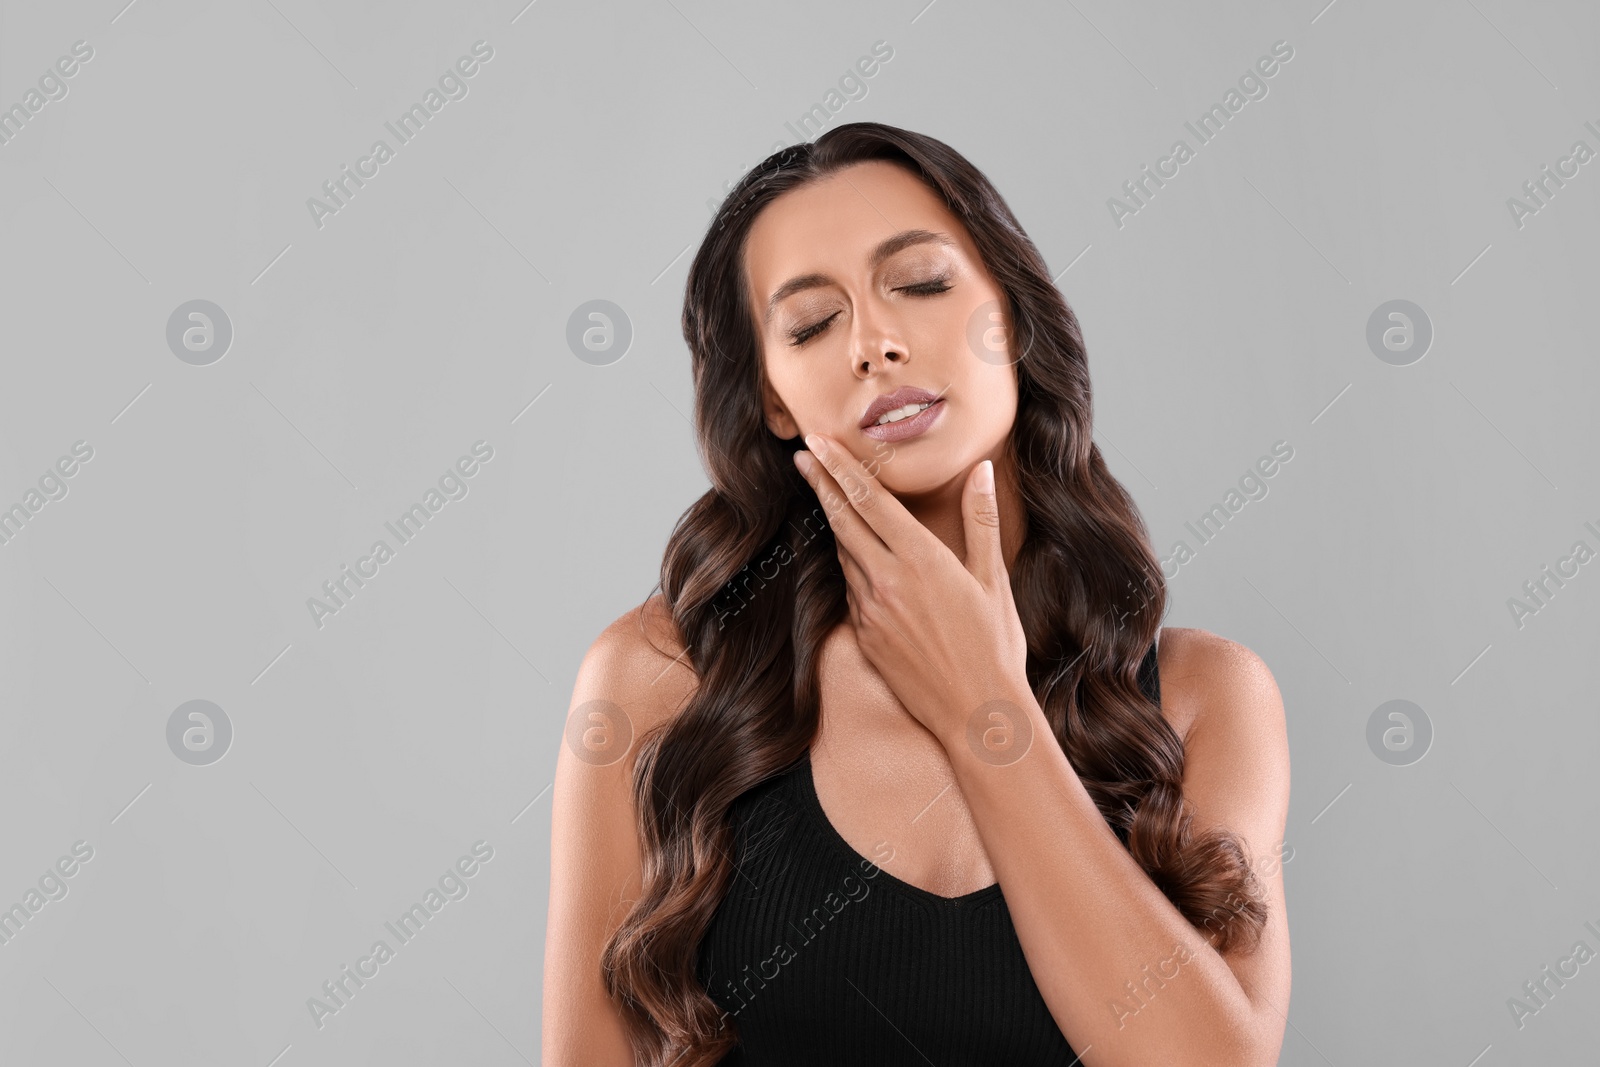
{"points": [[594, 844], [1236, 777]]}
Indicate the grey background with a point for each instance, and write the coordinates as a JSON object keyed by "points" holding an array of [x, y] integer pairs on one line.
{"points": [[431, 312]]}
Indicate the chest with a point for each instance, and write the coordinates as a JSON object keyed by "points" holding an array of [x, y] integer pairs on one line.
{"points": [[806, 933], [887, 787], [885, 783]]}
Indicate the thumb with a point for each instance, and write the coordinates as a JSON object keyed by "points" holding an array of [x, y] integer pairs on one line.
{"points": [[981, 519]]}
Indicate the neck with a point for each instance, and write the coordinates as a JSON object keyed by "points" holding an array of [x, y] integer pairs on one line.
{"points": [[939, 510]]}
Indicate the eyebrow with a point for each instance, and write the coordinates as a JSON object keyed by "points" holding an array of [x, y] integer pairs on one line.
{"points": [[885, 248]]}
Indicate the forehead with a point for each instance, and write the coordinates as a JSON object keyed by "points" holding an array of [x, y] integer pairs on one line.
{"points": [[832, 225]]}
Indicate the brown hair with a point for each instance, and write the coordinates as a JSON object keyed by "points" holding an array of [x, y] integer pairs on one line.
{"points": [[752, 580]]}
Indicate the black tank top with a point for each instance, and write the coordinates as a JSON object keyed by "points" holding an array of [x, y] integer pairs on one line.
{"points": [[820, 957]]}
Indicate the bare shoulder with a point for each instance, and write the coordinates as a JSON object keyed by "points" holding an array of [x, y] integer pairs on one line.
{"points": [[1236, 779], [636, 671], [1202, 672], [634, 678], [1235, 737]]}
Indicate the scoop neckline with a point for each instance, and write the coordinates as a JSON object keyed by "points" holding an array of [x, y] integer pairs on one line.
{"points": [[808, 788], [813, 803]]}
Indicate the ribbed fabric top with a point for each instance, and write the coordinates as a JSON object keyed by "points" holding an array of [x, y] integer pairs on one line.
{"points": [[820, 957]]}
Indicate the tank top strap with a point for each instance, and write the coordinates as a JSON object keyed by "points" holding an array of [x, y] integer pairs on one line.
{"points": [[1149, 675]]}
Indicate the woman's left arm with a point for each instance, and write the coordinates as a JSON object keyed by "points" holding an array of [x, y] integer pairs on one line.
{"points": [[1127, 978]]}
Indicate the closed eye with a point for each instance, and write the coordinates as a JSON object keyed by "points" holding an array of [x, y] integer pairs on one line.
{"points": [[928, 288]]}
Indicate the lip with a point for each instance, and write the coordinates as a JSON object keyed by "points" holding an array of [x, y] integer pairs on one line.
{"points": [[906, 394], [907, 428]]}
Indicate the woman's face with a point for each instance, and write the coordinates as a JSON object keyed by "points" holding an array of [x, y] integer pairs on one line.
{"points": [[844, 318]]}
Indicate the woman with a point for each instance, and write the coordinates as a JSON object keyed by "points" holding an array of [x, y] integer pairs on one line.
{"points": [[915, 619]]}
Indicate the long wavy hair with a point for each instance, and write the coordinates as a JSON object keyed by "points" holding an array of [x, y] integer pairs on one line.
{"points": [[752, 580]]}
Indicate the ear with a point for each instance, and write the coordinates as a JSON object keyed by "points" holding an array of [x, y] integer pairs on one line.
{"points": [[779, 421]]}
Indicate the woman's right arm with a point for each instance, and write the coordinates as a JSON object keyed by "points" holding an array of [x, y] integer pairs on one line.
{"points": [[594, 843]]}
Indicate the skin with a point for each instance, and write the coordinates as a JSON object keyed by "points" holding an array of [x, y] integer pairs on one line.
{"points": [[874, 766], [876, 337], [931, 638]]}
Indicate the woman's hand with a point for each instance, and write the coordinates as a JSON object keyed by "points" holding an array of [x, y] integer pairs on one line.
{"points": [[942, 631]]}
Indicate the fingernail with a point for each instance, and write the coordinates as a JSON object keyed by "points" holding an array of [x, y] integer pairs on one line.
{"points": [[813, 442], [986, 477], [803, 461]]}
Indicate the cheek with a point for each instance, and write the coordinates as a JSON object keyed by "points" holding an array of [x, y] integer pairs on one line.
{"points": [[990, 399], [811, 398], [989, 387]]}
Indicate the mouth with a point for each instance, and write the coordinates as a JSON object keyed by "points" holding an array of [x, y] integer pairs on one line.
{"points": [[907, 397], [906, 422]]}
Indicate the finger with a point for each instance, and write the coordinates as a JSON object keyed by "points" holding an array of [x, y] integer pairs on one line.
{"points": [[885, 516], [980, 511], [853, 572], [849, 528]]}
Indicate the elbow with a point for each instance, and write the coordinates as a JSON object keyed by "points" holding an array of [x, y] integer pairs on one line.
{"points": [[1258, 1048], [1255, 1044]]}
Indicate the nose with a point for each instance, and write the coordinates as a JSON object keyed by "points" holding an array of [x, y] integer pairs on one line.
{"points": [[876, 342], [870, 365]]}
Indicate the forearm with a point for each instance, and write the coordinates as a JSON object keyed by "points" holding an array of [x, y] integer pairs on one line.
{"points": [[1127, 978]]}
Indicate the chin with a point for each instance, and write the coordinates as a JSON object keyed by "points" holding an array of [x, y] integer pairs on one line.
{"points": [[909, 468], [911, 483]]}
